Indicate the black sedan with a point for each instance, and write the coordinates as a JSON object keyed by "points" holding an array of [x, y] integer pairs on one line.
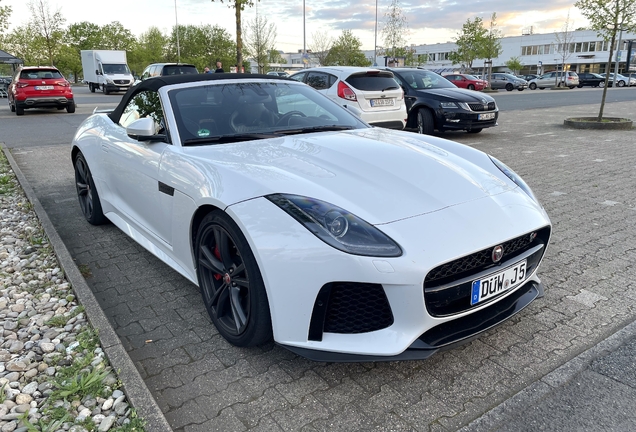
{"points": [[591, 80], [433, 103]]}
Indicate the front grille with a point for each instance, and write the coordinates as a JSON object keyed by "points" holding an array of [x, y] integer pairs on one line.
{"points": [[447, 287], [490, 106], [122, 82], [350, 308]]}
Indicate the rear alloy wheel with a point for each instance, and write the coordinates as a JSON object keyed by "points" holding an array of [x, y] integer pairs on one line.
{"points": [[475, 130], [425, 122], [230, 281], [621, 83], [533, 86], [601, 84], [87, 193], [471, 87], [509, 87]]}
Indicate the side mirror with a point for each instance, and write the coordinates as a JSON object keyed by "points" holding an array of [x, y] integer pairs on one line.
{"points": [[353, 110], [143, 129]]}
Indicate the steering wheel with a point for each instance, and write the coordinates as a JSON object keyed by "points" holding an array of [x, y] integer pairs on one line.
{"points": [[284, 120]]}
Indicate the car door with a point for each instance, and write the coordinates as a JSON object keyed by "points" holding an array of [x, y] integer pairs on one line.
{"points": [[131, 168], [499, 81]]}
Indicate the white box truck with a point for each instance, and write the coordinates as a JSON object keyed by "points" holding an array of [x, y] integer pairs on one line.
{"points": [[106, 70]]}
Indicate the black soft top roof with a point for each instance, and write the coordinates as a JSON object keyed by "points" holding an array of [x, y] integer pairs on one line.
{"points": [[156, 83]]}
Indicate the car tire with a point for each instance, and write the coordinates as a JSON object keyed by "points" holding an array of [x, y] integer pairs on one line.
{"points": [[105, 90], [19, 110], [91, 87], [471, 87], [620, 84], [571, 87], [87, 193], [237, 305], [425, 121], [532, 86], [520, 89], [70, 108], [601, 84], [475, 130], [12, 107], [580, 86], [541, 88], [509, 87]]}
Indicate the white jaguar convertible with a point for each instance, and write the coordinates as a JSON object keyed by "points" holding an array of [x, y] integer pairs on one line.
{"points": [[301, 223]]}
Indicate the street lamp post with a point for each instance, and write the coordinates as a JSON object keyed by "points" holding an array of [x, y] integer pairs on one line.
{"points": [[375, 43], [176, 21]]}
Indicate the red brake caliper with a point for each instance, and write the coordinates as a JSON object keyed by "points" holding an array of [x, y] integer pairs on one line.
{"points": [[217, 254]]}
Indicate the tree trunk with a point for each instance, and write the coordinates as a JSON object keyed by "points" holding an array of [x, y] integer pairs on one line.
{"points": [[239, 41], [607, 74]]}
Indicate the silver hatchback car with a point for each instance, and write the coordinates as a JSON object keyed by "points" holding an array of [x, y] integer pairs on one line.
{"points": [[508, 82]]}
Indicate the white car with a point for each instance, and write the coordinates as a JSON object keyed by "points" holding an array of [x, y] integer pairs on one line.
{"points": [[301, 223], [372, 94], [552, 79]]}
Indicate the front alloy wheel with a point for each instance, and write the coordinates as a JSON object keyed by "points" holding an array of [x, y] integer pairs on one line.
{"points": [[86, 193], [230, 281]]}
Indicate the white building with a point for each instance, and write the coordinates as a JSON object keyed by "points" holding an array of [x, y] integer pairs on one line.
{"points": [[587, 52]]}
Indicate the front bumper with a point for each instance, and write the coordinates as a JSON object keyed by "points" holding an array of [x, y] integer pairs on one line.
{"points": [[296, 266], [461, 119]]}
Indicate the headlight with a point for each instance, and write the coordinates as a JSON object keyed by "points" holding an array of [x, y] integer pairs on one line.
{"points": [[514, 177], [337, 227], [109, 81], [448, 104]]}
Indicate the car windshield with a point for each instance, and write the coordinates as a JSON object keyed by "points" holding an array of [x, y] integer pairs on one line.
{"points": [[112, 69], [179, 70], [471, 77], [228, 112], [422, 79]]}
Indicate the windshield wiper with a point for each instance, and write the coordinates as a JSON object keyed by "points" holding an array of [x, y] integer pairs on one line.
{"points": [[314, 129], [220, 139], [390, 88]]}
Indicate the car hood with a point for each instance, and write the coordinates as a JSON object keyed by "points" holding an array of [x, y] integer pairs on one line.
{"points": [[377, 174], [457, 95]]}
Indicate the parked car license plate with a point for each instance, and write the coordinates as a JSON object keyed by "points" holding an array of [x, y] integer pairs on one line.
{"points": [[382, 102], [493, 285], [44, 87], [486, 116]]}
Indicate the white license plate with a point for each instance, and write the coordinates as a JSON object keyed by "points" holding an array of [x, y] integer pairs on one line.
{"points": [[382, 102], [486, 116], [493, 285], [44, 87]]}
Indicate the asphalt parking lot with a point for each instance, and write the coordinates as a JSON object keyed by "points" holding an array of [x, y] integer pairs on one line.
{"points": [[583, 178]]}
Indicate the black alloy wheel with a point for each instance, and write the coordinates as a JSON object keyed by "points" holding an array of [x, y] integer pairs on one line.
{"points": [[601, 84], [425, 122], [509, 87], [230, 281], [87, 194]]}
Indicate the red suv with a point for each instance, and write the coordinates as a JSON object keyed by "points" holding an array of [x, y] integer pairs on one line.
{"points": [[40, 87], [467, 81]]}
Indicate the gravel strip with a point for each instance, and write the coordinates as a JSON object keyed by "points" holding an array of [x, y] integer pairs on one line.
{"points": [[54, 375]]}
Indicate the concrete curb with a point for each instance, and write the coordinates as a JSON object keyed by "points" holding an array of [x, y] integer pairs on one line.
{"points": [[497, 417], [134, 386]]}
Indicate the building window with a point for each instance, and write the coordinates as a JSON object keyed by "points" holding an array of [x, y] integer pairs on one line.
{"points": [[535, 49], [540, 49], [577, 47], [592, 46], [431, 57], [586, 47]]}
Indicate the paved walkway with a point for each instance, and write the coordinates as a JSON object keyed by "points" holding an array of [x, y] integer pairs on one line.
{"points": [[584, 179]]}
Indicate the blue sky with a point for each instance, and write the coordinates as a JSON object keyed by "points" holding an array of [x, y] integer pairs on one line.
{"points": [[429, 21]]}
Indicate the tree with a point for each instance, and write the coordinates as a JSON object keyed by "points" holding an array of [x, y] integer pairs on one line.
{"points": [[470, 42], [150, 47], [320, 45], [491, 44], [5, 12], [514, 64], [48, 27], [608, 17], [260, 38], [275, 57], [25, 43], [117, 37], [346, 51], [69, 62], [564, 46], [394, 31], [201, 45], [239, 6]]}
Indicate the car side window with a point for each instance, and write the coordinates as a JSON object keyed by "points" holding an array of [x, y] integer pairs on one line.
{"points": [[318, 80], [143, 104], [299, 77], [146, 73]]}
